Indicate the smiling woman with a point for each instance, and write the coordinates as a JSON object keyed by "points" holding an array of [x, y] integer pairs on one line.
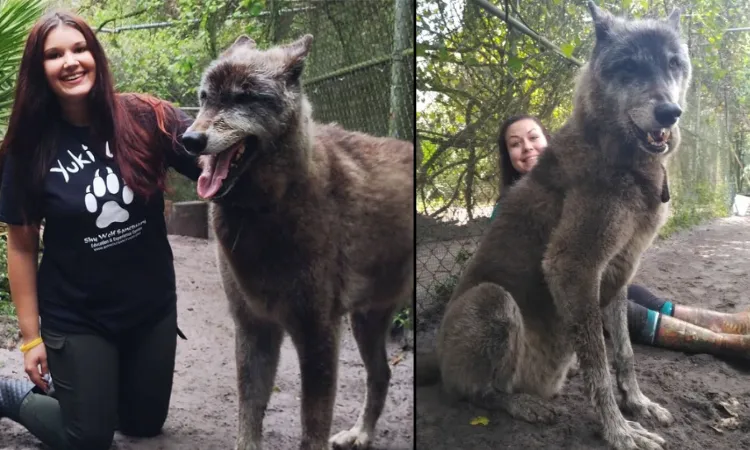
{"points": [[70, 69], [92, 164]]}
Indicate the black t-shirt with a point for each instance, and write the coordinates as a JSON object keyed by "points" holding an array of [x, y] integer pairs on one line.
{"points": [[107, 265]]}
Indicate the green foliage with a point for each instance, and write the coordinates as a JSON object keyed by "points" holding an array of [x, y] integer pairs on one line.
{"points": [[403, 319], [16, 19], [181, 189], [6, 306], [702, 203], [441, 291], [167, 62]]}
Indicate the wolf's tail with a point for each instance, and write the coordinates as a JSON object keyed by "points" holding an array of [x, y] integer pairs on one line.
{"points": [[428, 368]]}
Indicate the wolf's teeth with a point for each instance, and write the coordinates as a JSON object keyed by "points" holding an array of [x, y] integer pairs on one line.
{"points": [[650, 138]]}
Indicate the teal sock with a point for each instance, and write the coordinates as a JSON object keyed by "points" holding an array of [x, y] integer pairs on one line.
{"points": [[667, 308]]}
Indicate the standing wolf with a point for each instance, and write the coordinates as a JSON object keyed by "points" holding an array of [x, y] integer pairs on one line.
{"points": [[553, 267], [312, 222]]}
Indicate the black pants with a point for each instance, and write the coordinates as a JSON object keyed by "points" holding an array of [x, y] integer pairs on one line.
{"points": [[644, 313], [101, 384]]}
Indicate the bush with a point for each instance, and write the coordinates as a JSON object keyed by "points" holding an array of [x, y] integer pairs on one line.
{"points": [[6, 306]]}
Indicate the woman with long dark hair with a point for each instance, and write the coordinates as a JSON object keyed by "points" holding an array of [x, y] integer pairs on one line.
{"points": [[92, 164], [651, 320]]}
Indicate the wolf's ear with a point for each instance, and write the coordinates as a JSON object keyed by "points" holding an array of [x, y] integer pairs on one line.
{"points": [[297, 53], [242, 41], [603, 21], [674, 19]]}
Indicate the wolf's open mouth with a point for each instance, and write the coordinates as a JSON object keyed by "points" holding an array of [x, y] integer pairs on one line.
{"points": [[216, 169], [656, 140]]}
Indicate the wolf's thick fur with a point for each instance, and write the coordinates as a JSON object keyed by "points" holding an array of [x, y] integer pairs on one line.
{"points": [[553, 268], [314, 222]]}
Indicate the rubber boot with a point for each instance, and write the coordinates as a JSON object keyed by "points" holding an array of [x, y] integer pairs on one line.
{"points": [[719, 322], [677, 334], [12, 394]]}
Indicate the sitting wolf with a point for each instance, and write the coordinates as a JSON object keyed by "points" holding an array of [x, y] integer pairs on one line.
{"points": [[312, 222], [553, 268]]}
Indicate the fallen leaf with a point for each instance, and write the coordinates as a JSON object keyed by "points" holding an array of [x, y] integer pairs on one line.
{"points": [[729, 406], [397, 359], [731, 423], [481, 420], [276, 389]]}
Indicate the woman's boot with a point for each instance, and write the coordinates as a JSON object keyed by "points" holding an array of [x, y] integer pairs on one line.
{"points": [[678, 334], [12, 393], [737, 323]]}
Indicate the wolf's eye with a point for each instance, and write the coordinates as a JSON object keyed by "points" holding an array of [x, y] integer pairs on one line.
{"points": [[243, 97], [203, 96], [629, 66], [674, 63]]}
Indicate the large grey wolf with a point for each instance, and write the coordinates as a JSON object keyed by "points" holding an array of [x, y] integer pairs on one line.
{"points": [[553, 268], [312, 222]]}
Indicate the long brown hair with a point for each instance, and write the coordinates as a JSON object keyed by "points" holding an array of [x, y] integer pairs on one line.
{"points": [[122, 120], [509, 175]]}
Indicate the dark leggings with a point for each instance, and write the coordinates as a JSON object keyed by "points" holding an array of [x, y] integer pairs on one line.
{"points": [[101, 384], [642, 317]]}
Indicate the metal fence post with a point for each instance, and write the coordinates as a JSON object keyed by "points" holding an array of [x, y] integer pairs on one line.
{"points": [[397, 113]]}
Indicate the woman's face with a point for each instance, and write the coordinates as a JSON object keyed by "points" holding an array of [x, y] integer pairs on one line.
{"points": [[525, 141], [68, 64]]}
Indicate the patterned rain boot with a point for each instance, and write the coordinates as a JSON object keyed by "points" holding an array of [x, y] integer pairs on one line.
{"points": [[678, 334], [738, 323]]}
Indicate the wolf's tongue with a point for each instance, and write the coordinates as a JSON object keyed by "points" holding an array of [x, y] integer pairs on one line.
{"points": [[215, 169]]}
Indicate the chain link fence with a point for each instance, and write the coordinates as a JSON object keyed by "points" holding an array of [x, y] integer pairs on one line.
{"points": [[360, 71], [458, 176]]}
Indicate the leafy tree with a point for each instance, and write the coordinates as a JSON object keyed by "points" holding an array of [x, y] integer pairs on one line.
{"points": [[16, 19]]}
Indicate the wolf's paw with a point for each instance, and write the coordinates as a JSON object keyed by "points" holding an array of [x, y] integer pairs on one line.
{"points": [[644, 407], [355, 438], [110, 211], [631, 435]]}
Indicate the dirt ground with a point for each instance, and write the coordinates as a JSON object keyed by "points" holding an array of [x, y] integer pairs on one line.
{"points": [[203, 413], [709, 397]]}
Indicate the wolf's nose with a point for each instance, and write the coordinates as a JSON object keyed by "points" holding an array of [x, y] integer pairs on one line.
{"points": [[194, 142], [667, 113]]}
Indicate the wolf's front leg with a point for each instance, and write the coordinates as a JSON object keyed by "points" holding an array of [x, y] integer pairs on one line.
{"points": [[616, 323], [317, 343], [370, 330], [577, 295], [572, 270], [257, 352]]}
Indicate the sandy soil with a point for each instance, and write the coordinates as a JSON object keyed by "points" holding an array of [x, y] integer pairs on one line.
{"points": [[708, 266], [203, 412]]}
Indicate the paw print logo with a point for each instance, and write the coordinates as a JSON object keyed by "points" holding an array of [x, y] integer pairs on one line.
{"points": [[109, 211]]}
